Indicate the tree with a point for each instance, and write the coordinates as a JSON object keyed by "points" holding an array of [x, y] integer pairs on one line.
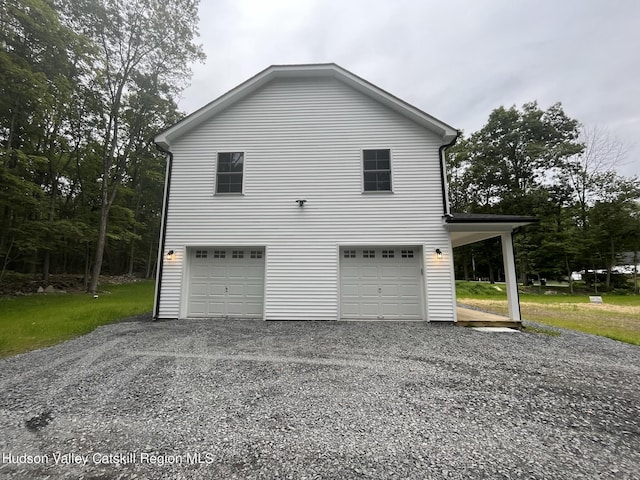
{"points": [[143, 45], [514, 153], [41, 61], [509, 165], [611, 219], [602, 153]]}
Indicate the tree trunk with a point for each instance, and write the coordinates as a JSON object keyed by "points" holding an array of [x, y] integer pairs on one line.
{"points": [[102, 237], [46, 263], [610, 266], [149, 260], [635, 271], [569, 272]]}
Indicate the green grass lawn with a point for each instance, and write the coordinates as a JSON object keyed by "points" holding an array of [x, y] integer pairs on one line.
{"points": [[617, 318], [36, 321]]}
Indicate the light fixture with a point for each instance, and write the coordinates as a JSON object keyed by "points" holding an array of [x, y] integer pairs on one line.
{"points": [[170, 255], [438, 253], [301, 202]]}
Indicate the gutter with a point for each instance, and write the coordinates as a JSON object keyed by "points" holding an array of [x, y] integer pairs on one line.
{"points": [[443, 174], [163, 231]]}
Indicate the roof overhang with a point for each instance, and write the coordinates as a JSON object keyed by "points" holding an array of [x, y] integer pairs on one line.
{"points": [[446, 132], [466, 228]]}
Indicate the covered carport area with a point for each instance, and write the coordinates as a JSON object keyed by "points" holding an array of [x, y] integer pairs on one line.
{"points": [[466, 228]]}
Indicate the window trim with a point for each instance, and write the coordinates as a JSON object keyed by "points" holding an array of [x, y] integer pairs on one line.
{"points": [[376, 192], [216, 173]]}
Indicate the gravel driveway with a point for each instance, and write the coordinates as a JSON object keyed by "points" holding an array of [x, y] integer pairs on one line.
{"points": [[304, 400]]}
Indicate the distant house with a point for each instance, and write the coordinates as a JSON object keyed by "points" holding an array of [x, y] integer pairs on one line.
{"points": [[308, 193]]}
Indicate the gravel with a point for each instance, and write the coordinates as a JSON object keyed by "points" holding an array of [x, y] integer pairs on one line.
{"points": [[308, 400]]}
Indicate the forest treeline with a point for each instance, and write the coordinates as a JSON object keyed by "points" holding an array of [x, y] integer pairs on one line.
{"points": [[535, 162], [86, 84]]}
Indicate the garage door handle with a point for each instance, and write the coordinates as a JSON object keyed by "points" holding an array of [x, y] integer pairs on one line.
{"points": [[379, 290], [226, 289]]}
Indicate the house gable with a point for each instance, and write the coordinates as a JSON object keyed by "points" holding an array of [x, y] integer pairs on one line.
{"points": [[331, 70]]}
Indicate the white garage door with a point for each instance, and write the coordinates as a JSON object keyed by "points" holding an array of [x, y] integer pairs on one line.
{"points": [[226, 282], [381, 283]]}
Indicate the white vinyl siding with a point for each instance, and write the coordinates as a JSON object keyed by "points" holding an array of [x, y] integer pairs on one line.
{"points": [[304, 138]]}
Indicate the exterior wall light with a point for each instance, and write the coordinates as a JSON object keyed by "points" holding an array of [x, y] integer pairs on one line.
{"points": [[301, 202], [170, 255], [438, 253]]}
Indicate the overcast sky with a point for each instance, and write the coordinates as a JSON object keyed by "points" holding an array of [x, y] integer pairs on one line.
{"points": [[454, 59]]}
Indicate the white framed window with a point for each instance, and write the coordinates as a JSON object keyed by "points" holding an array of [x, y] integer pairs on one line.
{"points": [[201, 253], [237, 254], [407, 253], [349, 254], [376, 170], [219, 254], [256, 254], [388, 253], [368, 254], [229, 172]]}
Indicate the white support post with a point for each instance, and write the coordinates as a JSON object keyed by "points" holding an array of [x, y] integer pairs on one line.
{"points": [[511, 278]]}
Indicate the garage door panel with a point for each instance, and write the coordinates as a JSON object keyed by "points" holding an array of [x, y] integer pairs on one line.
{"points": [[349, 290], [198, 308], [350, 309], [236, 272], [409, 310], [219, 274], [226, 284], [408, 290], [381, 283], [368, 272], [389, 290], [390, 309], [388, 272], [235, 309], [407, 273], [236, 290], [200, 271], [216, 290], [254, 272], [253, 309], [253, 290], [199, 289], [216, 308], [368, 290], [370, 309]]}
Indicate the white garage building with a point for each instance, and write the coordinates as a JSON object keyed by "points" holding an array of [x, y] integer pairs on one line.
{"points": [[307, 193]]}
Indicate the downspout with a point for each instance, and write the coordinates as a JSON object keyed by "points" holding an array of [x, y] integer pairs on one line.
{"points": [[443, 174], [447, 214], [163, 231]]}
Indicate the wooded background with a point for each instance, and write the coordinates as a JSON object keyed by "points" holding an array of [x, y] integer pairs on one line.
{"points": [[86, 84]]}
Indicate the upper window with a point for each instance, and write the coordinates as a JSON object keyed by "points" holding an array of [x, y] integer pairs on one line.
{"points": [[229, 175], [377, 170]]}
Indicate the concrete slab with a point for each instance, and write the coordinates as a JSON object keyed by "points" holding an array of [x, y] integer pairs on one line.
{"points": [[496, 329]]}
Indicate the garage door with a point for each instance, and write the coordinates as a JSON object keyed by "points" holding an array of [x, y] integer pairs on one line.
{"points": [[226, 282], [381, 283]]}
